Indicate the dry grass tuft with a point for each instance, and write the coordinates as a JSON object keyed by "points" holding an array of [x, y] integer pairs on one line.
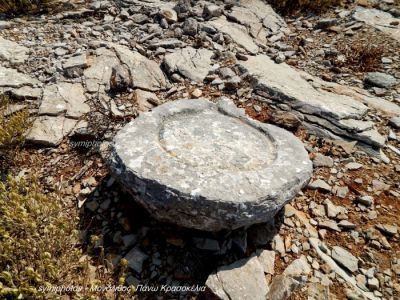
{"points": [[37, 240], [26, 6], [360, 56], [12, 129]]}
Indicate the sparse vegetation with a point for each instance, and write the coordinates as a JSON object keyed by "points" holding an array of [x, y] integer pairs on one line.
{"points": [[360, 56], [25, 6], [12, 129], [289, 6], [37, 240]]}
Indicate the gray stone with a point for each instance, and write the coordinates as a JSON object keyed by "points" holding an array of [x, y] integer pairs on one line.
{"points": [[145, 74], [188, 153], [378, 19], [13, 52], [238, 33], [246, 17], [283, 286], [211, 11], [136, 258], [271, 21], [278, 244], [99, 73], [380, 80], [13, 78], [322, 161], [387, 229], [191, 63], [63, 98], [190, 27], [50, 131], [320, 184], [26, 92], [74, 65], [285, 84], [321, 250], [395, 122], [243, 279], [146, 100], [341, 191], [345, 258], [267, 260], [298, 267], [329, 224], [353, 166], [365, 200], [169, 13]]}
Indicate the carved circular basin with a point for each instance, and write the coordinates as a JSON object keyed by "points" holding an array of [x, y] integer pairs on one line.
{"points": [[207, 166]]}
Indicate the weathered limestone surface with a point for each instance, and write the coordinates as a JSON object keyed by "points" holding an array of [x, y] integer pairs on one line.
{"points": [[189, 62], [140, 72], [144, 73], [238, 33], [49, 130], [208, 166], [14, 79], [99, 73], [13, 52], [379, 19], [65, 98], [330, 106]]}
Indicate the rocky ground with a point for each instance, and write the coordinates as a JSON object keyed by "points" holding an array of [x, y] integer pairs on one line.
{"points": [[87, 71]]}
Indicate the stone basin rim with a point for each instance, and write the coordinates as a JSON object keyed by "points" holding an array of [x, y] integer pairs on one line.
{"points": [[163, 112]]}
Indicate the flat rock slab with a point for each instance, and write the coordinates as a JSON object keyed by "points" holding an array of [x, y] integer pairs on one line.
{"points": [[207, 166], [13, 78], [380, 20], [49, 130], [244, 279], [64, 97], [285, 84], [13, 52]]}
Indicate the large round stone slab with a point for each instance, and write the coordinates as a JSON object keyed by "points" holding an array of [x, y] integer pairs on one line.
{"points": [[207, 166]]}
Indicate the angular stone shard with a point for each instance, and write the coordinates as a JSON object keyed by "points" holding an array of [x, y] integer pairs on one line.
{"points": [[238, 33], [208, 166], [244, 279], [189, 62], [145, 74], [13, 52]]}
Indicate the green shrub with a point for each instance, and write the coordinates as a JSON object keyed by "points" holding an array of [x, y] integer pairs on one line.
{"points": [[37, 240], [25, 6], [290, 6]]}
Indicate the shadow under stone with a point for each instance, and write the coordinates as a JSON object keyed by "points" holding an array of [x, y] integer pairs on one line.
{"points": [[165, 254]]}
